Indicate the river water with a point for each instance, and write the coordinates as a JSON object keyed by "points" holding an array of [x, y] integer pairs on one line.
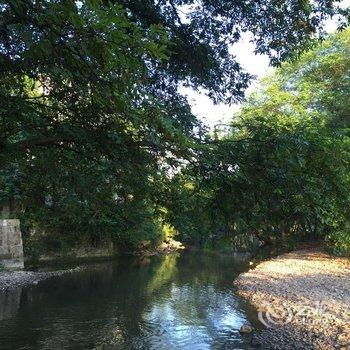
{"points": [[181, 301]]}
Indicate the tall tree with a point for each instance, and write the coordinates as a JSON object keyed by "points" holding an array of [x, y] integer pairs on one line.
{"points": [[101, 64], [91, 87], [282, 170]]}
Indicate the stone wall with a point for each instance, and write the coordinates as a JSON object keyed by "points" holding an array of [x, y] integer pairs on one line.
{"points": [[11, 247]]}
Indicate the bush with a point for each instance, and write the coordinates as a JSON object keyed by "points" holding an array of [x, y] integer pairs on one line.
{"points": [[338, 242]]}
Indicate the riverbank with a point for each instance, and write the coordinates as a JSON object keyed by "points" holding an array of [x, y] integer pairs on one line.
{"points": [[303, 299], [13, 279]]}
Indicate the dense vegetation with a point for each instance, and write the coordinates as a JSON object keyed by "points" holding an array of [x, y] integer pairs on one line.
{"points": [[281, 172], [97, 144]]}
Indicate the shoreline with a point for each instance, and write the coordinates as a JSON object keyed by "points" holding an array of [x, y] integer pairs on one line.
{"points": [[10, 280], [302, 299]]}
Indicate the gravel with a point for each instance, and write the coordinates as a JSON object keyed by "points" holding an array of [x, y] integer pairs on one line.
{"points": [[303, 299], [14, 279]]}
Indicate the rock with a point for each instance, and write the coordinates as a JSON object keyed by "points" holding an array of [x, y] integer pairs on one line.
{"points": [[245, 329], [255, 342]]}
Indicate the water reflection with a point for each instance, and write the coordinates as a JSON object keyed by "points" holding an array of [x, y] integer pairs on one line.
{"points": [[9, 303], [172, 302]]}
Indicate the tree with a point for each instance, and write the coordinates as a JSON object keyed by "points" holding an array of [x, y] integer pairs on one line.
{"points": [[78, 118], [281, 172], [91, 88], [104, 68], [200, 34]]}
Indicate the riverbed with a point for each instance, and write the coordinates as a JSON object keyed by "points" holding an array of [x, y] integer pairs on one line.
{"points": [[178, 301], [303, 298]]}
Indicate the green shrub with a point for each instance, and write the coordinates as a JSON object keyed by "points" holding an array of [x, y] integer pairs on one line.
{"points": [[338, 242]]}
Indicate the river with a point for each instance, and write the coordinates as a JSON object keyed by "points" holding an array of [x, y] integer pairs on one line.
{"points": [[180, 301]]}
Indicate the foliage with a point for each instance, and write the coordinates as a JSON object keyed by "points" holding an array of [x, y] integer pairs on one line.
{"points": [[282, 171], [338, 241], [81, 125], [200, 34], [92, 122]]}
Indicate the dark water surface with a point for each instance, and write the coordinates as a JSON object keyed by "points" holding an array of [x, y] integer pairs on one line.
{"points": [[183, 301]]}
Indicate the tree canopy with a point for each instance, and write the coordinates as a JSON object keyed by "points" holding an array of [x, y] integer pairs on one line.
{"points": [[111, 70], [93, 124], [282, 171]]}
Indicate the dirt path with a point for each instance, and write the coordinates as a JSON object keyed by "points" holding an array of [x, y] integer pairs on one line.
{"points": [[303, 298]]}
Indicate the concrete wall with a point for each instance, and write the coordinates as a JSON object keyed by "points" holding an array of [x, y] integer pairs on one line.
{"points": [[11, 247]]}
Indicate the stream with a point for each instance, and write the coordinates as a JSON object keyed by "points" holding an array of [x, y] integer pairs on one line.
{"points": [[179, 301]]}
